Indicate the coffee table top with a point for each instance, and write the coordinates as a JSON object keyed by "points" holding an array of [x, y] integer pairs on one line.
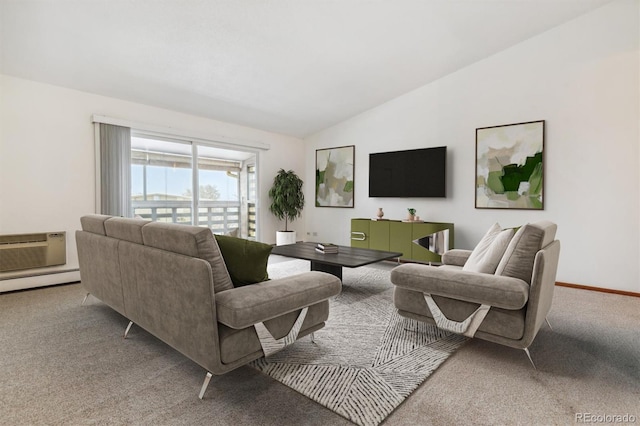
{"points": [[351, 257]]}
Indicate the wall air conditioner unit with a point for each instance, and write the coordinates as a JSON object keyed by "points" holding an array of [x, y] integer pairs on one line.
{"points": [[27, 251]]}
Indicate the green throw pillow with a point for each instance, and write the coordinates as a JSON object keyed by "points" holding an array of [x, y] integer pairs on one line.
{"points": [[246, 260]]}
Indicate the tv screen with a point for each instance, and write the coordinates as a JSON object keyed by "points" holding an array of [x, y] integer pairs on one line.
{"points": [[410, 173]]}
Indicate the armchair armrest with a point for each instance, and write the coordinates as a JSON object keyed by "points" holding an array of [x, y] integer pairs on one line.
{"points": [[495, 290], [456, 257], [245, 306]]}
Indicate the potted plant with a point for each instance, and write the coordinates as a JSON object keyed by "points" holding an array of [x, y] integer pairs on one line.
{"points": [[287, 201], [412, 214]]}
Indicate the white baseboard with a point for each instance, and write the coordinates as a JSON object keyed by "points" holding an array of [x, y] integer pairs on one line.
{"points": [[42, 280]]}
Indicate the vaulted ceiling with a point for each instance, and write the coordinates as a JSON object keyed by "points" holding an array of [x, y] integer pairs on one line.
{"points": [[288, 66]]}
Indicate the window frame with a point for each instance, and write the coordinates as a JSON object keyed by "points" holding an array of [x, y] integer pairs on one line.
{"points": [[240, 144]]}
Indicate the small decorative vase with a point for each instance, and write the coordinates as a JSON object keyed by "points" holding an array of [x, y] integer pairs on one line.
{"points": [[380, 213]]}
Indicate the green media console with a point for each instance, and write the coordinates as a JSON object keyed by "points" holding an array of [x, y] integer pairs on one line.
{"points": [[417, 241]]}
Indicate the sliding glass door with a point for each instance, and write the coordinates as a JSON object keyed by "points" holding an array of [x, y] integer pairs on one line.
{"points": [[186, 182], [161, 180]]}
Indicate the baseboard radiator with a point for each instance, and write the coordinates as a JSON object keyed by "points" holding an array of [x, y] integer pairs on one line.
{"points": [[28, 251]]}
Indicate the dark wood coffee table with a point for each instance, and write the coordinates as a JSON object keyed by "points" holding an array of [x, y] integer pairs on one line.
{"points": [[351, 257]]}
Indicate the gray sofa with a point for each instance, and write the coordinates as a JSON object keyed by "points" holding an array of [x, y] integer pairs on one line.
{"points": [[172, 281], [507, 306]]}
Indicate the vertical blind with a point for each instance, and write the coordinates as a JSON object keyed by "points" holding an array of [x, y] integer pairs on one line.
{"points": [[115, 170]]}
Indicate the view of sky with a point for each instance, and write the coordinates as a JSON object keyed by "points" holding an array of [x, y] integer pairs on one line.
{"points": [[177, 181]]}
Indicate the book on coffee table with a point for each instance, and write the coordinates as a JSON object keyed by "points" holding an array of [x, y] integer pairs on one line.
{"points": [[327, 248]]}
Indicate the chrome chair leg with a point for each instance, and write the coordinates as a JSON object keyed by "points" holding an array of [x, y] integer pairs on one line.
{"points": [[313, 338], [526, 350], [205, 385], [127, 330], [85, 299], [548, 323]]}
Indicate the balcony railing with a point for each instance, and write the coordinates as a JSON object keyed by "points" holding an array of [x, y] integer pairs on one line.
{"points": [[219, 216], [251, 220]]}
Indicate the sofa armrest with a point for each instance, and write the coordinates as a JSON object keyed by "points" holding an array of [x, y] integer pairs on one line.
{"points": [[495, 290], [245, 306], [456, 257]]}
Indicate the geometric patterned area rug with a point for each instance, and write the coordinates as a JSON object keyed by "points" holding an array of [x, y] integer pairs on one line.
{"points": [[367, 359]]}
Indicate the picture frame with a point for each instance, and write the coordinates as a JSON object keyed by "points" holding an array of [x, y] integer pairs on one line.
{"points": [[335, 177], [510, 166]]}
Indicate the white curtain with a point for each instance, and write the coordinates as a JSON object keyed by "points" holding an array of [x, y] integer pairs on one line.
{"points": [[115, 170]]}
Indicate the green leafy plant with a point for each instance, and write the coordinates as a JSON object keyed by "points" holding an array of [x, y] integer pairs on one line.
{"points": [[412, 211], [287, 199]]}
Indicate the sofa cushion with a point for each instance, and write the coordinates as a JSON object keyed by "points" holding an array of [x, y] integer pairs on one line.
{"points": [[235, 344], [502, 292], [244, 306], [246, 260], [455, 257], [487, 254], [500, 322], [192, 241], [124, 228], [94, 223], [518, 259]]}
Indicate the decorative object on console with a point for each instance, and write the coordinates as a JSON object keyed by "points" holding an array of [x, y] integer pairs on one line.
{"points": [[380, 213], [412, 214], [287, 202], [335, 176], [510, 166]]}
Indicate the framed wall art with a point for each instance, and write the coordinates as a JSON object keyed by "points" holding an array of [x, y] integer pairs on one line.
{"points": [[510, 166], [334, 176]]}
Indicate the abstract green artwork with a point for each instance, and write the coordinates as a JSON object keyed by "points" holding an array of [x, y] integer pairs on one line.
{"points": [[510, 166], [334, 176]]}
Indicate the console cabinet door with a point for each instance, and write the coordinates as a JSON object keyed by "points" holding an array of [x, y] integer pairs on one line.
{"points": [[360, 233], [400, 239], [379, 231]]}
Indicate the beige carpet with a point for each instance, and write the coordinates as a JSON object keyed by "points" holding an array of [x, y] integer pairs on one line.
{"points": [[66, 364]]}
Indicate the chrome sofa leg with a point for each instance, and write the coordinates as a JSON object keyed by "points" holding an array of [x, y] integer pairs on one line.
{"points": [[548, 323], [205, 385], [85, 299], [313, 338], [127, 330], [526, 350]]}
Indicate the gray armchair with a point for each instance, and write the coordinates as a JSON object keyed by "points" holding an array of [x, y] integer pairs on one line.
{"points": [[507, 307]]}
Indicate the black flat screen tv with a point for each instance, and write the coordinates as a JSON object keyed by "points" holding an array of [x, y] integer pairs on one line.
{"points": [[409, 173]]}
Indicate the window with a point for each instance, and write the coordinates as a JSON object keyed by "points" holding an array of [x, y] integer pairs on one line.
{"points": [[252, 194], [161, 180], [191, 183]]}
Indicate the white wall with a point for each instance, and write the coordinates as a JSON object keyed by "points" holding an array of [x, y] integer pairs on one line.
{"points": [[583, 79], [47, 164]]}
